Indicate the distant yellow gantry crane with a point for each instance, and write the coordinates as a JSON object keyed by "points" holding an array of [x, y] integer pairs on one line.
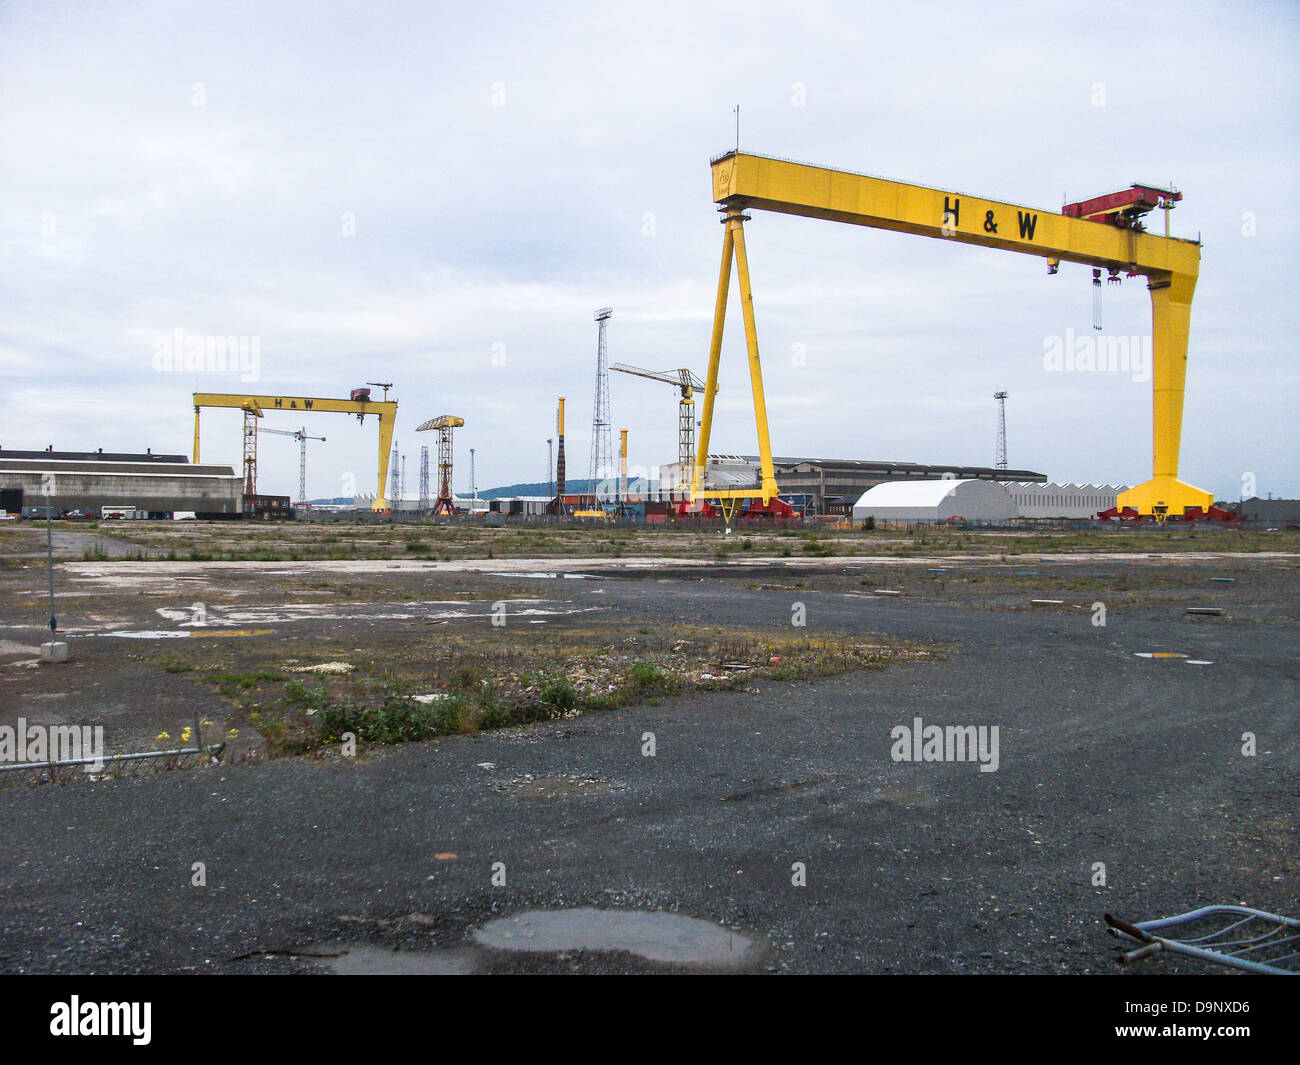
{"points": [[255, 407], [1103, 233]]}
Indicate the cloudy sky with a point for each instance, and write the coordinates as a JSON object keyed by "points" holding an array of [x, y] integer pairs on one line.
{"points": [[440, 195]]}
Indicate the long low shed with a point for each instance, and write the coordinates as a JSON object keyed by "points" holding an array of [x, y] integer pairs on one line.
{"points": [[921, 501], [155, 487]]}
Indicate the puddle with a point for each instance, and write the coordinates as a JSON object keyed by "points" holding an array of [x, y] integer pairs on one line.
{"points": [[365, 959], [662, 937], [455, 610], [536, 576], [177, 634], [151, 634], [902, 795], [541, 575], [556, 786]]}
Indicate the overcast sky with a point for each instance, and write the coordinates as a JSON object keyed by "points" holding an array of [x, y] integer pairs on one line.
{"points": [[440, 195]]}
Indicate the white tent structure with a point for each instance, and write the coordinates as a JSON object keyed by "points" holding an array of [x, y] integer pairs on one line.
{"points": [[922, 501]]}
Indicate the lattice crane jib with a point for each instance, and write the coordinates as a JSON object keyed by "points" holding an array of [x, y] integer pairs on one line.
{"points": [[687, 383]]}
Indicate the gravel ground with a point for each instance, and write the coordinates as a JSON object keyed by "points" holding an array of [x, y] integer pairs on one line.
{"points": [[1104, 757]]}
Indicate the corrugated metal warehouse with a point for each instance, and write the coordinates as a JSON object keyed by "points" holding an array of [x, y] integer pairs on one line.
{"points": [[156, 484], [922, 501], [821, 484], [1052, 500]]}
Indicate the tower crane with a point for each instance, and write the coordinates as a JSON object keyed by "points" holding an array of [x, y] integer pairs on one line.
{"points": [[444, 423], [302, 437], [686, 382]]}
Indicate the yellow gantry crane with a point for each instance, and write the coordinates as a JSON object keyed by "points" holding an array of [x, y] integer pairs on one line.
{"points": [[1103, 234], [254, 407]]}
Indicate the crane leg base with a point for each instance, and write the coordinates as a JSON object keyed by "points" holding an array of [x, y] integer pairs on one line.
{"points": [[1165, 497]]}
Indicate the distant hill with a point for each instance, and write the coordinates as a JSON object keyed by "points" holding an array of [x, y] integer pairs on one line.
{"points": [[508, 491], [534, 488]]}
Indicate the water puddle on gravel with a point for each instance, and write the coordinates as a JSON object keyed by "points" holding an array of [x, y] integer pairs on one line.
{"points": [[661, 937], [556, 786], [364, 959]]}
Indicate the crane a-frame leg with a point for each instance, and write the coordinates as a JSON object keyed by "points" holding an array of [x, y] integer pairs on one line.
{"points": [[733, 243], [1165, 495]]}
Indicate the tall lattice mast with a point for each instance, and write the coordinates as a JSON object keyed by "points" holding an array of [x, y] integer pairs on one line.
{"points": [[602, 441], [1000, 458], [395, 481], [250, 452], [446, 501], [424, 479]]}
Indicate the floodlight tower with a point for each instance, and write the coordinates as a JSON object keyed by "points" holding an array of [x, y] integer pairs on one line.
{"points": [[602, 443], [424, 479], [1000, 459]]}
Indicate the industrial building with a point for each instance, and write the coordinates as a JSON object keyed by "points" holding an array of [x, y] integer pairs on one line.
{"points": [[825, 486], [928, 501], [1280, 512], [156, 485], [1063, 501]]}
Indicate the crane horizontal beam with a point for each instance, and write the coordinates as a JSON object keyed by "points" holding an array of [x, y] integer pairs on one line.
{"points": [[297, 403], [768, 184]]}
